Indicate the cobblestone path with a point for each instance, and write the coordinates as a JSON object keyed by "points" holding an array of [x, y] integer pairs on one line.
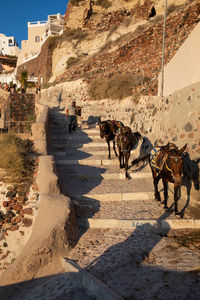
{"points": [[127, 239]]}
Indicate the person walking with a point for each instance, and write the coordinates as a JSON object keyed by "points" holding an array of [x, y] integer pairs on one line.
{"points": [[71, 113]]}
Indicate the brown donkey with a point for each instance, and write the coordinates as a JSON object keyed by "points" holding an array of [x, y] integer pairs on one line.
{"points": [[108, 130], [166, 162], [126, 141]]}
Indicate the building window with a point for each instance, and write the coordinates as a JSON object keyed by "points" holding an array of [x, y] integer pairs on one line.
{"points": [[37, 39], [10, 41]]}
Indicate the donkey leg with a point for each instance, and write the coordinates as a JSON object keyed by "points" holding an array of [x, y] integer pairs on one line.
{"points": [[127, 155], [114, 148], [156, 179], [165, 184], [176, 197], [120, 159], [108, 142]]}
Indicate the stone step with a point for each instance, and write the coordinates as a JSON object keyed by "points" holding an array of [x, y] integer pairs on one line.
{"points": [[135, 196], [108, 176], [73, 136], [78, 144], [92, 162], [163, 225], [110, 172], [125, 210]]}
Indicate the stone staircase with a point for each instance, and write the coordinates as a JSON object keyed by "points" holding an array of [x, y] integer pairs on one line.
{"points": [[120, 222]]}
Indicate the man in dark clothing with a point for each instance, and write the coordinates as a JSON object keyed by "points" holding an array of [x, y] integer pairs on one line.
{"points": [[71, 113]]}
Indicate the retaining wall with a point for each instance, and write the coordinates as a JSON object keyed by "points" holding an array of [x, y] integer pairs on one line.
{"points": [[55, 230]]}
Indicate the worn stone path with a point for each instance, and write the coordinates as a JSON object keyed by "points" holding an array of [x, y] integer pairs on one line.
{"points": [[126, 239]]}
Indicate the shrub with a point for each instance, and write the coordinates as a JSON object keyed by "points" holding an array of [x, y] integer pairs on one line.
{"points": [[171, 8], [103, 3], [52, 42], [71, 61], [69, 33], [16, 158], [74, 2], [117, 87]]}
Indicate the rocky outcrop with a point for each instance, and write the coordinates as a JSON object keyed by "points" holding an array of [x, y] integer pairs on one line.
{"points": [[142, 53]]}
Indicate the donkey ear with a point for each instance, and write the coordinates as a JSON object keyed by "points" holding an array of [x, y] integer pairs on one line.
{"points": [[182, 149]]}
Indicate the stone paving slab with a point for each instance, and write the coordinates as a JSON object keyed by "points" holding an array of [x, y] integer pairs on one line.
{"points": [[142, 262], [127, 210], [113, 186]]}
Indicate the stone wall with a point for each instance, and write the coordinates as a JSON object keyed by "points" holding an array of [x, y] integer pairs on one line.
{"points": [[21, 106], [55, 229], [41, 66], [40, 128]]}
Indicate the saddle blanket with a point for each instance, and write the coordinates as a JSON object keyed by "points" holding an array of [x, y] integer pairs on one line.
{"points": [[154, 163]]}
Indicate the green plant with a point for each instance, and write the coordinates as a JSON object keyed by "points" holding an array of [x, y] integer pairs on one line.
{"points": [[30, 119], [16, 157], [23, 79], [71, 61], [103, 3]]}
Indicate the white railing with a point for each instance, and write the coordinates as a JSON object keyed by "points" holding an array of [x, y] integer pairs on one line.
{"points": [[36, 23]]}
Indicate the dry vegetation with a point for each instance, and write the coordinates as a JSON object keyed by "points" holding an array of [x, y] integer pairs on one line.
{"points": [[74, 2], [104, 3], [71, 60], [68, 35], [16, 157], [117, 87]]}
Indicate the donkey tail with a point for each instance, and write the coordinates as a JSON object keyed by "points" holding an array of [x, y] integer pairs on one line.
{"points": [[139, 159]]}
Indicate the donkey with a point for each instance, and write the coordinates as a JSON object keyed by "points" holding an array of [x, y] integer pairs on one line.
{"points": [[126, 141], [108, 130], [166, 162]]}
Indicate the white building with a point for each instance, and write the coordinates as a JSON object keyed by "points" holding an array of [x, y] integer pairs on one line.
{"points": [[38, 32], [8, 45]]}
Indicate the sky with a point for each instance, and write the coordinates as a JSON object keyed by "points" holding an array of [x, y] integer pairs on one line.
{"points": [[15, 14]]}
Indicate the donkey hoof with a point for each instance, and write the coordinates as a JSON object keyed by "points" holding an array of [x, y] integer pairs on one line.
{"points": [[158, 199], [177, 213], [165, 207]]}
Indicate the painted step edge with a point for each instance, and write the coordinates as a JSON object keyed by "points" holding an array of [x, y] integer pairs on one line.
{"points": [[143, 224]]}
